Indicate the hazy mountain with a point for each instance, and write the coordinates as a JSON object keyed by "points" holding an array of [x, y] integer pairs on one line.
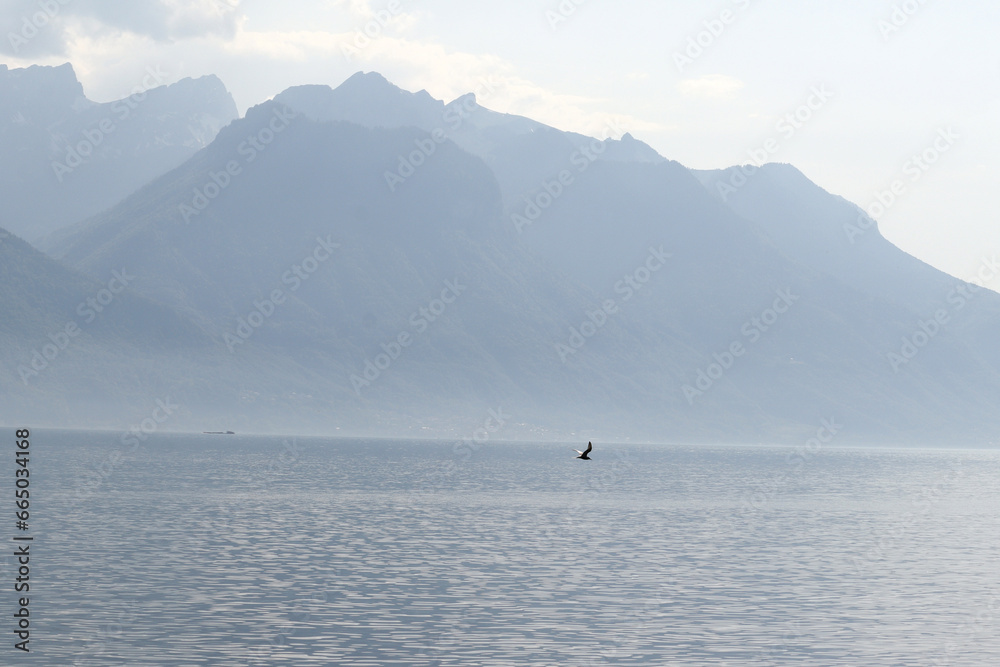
{"points": [[833, 236], [64, 158], [520, 151], [370, 258], [78, 349], [589, 209], [319, 185], [89, 352]]}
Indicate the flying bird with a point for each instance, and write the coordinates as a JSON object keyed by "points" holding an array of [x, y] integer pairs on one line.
{"points": [[584, 454]]}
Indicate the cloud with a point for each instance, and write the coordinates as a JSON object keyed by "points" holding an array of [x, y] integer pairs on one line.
{"points": [[107, 42], [360, 9], [448, 74], [29, 31], [36, 29], [715, 86]]}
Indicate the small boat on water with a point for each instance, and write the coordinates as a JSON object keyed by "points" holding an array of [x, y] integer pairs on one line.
{"points": [[218, 433]]}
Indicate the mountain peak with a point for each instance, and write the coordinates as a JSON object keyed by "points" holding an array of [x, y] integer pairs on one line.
{"points": [[366, 98], [40, 90], [61, 76], [369, 80], [468, 100], [87, 155], [374, 87], [371, 86]]}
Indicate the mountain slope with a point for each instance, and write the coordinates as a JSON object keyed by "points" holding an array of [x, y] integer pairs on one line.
{"points": [[74, 346], [587, 207], [835, 237], [317, 185], [398, 276], [65, 158]]}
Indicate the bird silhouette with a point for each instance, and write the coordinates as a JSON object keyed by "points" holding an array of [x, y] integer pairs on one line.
{"points": [[584, 454]]}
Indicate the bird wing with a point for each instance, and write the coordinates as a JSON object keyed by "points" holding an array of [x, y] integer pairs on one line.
{"points": [[590, 446], [578, 451]]}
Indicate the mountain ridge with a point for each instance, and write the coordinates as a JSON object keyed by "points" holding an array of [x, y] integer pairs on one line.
{"points": [[65, 158], [633, 301]]}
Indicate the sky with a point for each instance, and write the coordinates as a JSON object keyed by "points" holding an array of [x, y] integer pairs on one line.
{"points": [[892, 104]]}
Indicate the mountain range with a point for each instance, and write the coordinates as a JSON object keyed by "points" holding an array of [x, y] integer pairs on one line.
{"points": [[367, 260], [67, 158]]}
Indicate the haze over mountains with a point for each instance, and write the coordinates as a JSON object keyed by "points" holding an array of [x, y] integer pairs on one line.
{"points": [[66, 158], [377, 261]]}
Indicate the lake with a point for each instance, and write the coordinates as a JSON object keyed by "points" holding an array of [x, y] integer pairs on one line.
{"points": [[238, 550]]}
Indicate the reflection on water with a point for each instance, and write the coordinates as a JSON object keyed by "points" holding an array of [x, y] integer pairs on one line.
{"points": [[219, 550]]}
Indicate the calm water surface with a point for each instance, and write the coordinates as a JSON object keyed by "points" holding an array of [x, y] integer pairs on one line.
{"points": [[232, 550]]}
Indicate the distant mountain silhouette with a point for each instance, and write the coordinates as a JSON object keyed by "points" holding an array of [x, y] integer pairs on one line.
{"points": [[84, 351], [64, 158], [412, 263]]}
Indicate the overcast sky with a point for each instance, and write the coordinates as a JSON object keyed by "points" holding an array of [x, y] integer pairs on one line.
{"points": [[704, 83]]}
